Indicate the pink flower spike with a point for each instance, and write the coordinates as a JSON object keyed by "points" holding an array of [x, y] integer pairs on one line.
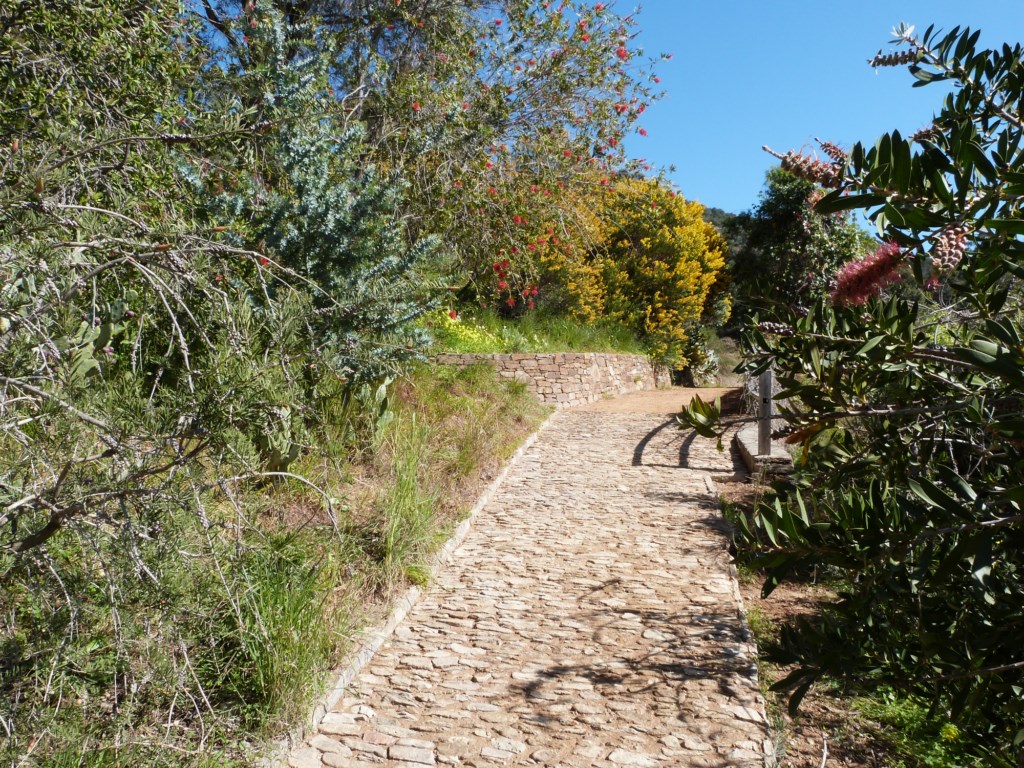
{"points": [[858, 281]]}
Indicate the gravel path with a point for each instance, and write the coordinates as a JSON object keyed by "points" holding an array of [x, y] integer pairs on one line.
{"points": [[590, 618]]}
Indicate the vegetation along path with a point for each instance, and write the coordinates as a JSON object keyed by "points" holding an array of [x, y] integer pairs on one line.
{"points": [[589, 618]]}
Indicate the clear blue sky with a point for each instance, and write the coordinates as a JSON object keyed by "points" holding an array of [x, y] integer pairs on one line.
{"points": [[751, 72]]}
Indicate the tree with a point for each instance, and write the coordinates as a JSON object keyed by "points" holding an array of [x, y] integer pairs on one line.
{"points": [[785, 250], [906, 415], [492, 109], [187, 275], [662, 266]]}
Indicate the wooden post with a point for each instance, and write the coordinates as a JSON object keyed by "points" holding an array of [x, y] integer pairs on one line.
{"points": [[764, 424]]}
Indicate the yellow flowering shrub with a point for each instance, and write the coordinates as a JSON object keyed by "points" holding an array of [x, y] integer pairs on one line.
{"points": [[662, 265]]}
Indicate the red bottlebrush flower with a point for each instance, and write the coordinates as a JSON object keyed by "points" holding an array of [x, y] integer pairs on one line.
{"points": [[218, 278], [488, 165], [622, 53], [497, 22], [621, 108], [458, 185], [502, 285], [505, 263], [517, 219], [492, 191], [514, 250], [453, 314], [612, 142], [415, 106], [604, 182], [526, 292], [532, 247], [534, 291], [642, 131], [497, 266], [585, 37], [566, 153], [657, 79], [530, 304], [510, 301], [465, 105], [264, 261], [599, 7], [858, 281], [641, 109]]}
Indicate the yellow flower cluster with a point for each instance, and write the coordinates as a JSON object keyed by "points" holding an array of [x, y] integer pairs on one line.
{"points": [[663, 264]]}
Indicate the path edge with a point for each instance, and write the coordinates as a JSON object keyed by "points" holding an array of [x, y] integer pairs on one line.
{"points": [[372, 638], [769, 746]]}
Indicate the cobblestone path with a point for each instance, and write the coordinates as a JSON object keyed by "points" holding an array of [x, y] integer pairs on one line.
{"points": [[590, 618]]}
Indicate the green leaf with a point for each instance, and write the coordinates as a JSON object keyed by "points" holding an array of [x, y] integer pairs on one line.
{"points": [[836, 201], [870, 344]]}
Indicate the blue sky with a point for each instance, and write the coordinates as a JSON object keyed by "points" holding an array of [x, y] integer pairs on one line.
{"points": [[746, 73]]}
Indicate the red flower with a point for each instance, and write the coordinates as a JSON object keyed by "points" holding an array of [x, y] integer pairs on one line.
{"points": [[530, 304], [517, 219], [497, 266], [453, 314], [505, 263], [642, 131], [465, 105], [415, 106], [264, 261], [566, 153], [510, 301], [502, 285], [585, 38], [534, 291], [622, 53], [858, 281], [489, 165], [492, 191], [604, 182]]}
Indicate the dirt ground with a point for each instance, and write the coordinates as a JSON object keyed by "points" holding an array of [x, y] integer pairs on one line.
{"points": [[665, 401]]}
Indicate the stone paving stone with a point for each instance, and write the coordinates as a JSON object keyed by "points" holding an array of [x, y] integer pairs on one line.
{"points": [[590, 618]]}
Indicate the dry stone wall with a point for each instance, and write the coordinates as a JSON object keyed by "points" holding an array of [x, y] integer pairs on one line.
{"points": [[568, 378]]}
